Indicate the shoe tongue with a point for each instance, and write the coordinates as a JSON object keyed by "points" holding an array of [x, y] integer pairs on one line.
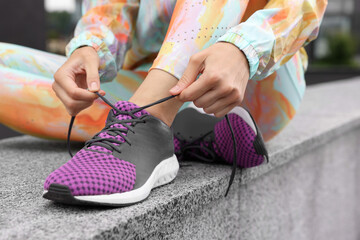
{"points": [[125, 107]]}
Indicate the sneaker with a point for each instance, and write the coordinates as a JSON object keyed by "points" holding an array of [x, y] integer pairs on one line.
{"points": [[201, 136], [120, 165]]}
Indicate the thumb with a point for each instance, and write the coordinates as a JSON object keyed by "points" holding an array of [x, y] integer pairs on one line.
{"points": [[92, 76], [191, 72]]}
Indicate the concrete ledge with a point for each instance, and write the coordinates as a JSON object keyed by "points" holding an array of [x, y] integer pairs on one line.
{"points": [[308, 191]]}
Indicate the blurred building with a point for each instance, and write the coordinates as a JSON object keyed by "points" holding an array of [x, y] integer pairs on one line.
{"points": [[23, 22], [340, 16], [77, 13]]}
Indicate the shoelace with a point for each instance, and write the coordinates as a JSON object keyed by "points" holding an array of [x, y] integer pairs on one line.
{"points": [[106, 142], [190, 149]]}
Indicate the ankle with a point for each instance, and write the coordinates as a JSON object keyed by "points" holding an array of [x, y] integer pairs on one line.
{"points": [[155, 87], [165, 111], [166, 118]]}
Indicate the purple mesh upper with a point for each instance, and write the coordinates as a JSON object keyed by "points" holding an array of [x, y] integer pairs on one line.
{"points": [[97, 173], [244, 135], [123, 106], [92, 173], [177, 144]]}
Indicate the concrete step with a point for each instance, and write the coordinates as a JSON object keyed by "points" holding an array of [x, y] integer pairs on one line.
{"points": [[309, 190]]}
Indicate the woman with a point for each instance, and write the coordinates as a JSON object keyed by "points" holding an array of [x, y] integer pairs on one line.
{"points": [[231, 46]]}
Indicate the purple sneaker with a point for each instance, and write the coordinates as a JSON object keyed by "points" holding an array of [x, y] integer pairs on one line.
{"points": [[120, 165], [201, 136]]}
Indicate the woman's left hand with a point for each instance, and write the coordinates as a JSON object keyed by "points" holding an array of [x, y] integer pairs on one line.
{"points": [[221, 86]]}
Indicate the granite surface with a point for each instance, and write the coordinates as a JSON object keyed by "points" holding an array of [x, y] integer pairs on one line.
{"points": [[328, 116], [313, 197]]}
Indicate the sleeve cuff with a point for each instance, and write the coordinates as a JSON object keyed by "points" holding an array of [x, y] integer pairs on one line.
{"points": [[107, 68], [245, 47]]}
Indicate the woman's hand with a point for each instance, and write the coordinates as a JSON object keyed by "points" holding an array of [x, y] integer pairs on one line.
{"points": [[74, 77], [221, 86]]}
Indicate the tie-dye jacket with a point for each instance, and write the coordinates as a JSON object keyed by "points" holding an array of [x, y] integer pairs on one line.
{"points": [[127, 33]]}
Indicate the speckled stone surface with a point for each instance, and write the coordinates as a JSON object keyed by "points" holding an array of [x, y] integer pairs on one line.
{"points": [[309, 190]]}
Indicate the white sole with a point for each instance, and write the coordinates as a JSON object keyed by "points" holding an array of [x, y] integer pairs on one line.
{"points": [[163, 173]]}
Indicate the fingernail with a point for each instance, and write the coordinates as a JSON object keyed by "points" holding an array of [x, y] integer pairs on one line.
{"points": [[175, 89], [93, 86]]}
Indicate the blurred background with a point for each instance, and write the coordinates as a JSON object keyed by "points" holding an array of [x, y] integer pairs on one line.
{"points": [[49, 24]]}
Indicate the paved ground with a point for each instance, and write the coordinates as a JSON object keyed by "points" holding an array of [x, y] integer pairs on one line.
{"points": [[327, 112]]}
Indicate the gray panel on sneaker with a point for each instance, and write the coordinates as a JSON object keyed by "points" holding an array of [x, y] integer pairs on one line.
{"points": [[151, 143], [190, 124]]}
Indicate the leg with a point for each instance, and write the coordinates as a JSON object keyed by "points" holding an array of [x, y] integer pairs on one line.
{"points": [[29, 73], [273, 101], [146, 145], [29, 60], [28, 104], [193, 27]]}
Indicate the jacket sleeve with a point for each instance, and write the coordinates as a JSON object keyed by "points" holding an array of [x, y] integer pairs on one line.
{"points": [[105, 26], [271, 36]]}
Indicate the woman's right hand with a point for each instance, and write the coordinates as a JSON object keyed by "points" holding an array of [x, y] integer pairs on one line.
{"points": [[77, 80]]}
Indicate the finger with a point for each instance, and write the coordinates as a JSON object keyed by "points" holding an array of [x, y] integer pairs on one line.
{"points": [[67, 83], [68, 101], [225, 110], [196, 89], [102, 92], [73, 107], [206, 100], [80, 80], [191, 72], [92, 74], [221, 104]]}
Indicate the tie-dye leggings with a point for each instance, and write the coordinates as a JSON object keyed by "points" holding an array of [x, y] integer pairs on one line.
{"points": [[28, 104]]}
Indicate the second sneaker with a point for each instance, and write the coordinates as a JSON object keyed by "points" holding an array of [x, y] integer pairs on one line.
{"points": [[204, 137]]}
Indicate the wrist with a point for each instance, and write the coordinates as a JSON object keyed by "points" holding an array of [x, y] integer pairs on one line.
{"points": [[87, 53], [237, 54], [247, 49], [84, 48]]}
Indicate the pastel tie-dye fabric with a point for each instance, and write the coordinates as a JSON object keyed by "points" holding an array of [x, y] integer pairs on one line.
{"points": [[132, 36], [126, 32]]}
